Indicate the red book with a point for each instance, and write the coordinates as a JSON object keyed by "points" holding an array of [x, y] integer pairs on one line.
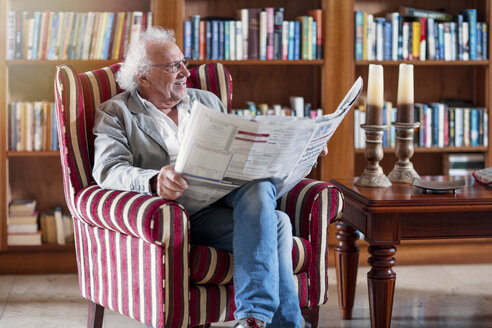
{"points": [[317, 15]]}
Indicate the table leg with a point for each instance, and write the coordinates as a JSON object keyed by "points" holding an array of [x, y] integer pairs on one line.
{"points": [[347, 262], [381, 283]]}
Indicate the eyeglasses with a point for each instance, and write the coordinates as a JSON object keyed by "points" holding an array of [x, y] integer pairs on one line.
{"points": [[175, 66]]}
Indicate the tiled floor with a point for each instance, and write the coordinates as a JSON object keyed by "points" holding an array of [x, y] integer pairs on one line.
{"points": [[426, 296]]}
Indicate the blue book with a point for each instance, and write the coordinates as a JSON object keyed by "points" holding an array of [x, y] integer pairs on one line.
{"points": [[459, 32], [440, 40], [314, 45], [227, 41], [474, 126], [290, 53], [187, 39], [471, 17], [479, 41], [208, 41], [485, 43], [54, 133], [388, 41], [37, 29], [195, 46], [221, 39], [435, 124], [107, 36], [359, 34], [297, 40], [215, 40], [452, 30]]}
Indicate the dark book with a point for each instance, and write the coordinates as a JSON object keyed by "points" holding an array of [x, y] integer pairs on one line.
{"points": [[278, 20], [19, 35], [436, 15], [253, 32]]}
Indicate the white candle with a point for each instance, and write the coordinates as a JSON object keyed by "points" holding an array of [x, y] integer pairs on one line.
{"points": [[375, 95], [405, 99]]}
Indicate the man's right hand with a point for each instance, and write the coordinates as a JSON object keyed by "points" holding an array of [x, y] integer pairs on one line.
{"points": [[170, 184]]}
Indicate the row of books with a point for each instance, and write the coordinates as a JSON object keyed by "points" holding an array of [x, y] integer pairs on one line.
{"points": [[25, 227], [298, 108], [463, 164], [255, 33], [414, 34], [440, 126], [73, 35], [32, 126]]}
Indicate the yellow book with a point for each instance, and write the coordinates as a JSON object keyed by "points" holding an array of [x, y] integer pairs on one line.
{"points": [[416, 40], [120, 20]]}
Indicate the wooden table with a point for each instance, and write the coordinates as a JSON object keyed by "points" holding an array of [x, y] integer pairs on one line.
{"points": [[388, 215]]}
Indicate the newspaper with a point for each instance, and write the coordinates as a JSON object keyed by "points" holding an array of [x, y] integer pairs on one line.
{"points": [[221, 152]]}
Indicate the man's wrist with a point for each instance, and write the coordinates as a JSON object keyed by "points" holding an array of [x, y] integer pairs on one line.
{"points": [[153, 184]]}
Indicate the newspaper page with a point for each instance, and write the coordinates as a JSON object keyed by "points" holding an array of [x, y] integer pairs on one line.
{"points": [[221, 152]]}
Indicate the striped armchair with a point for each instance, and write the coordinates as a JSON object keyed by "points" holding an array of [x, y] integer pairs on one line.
{"points": [[133, 250]]}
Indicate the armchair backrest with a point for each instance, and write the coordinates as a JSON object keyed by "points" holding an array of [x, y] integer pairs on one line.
{"points": [[76, 99]]}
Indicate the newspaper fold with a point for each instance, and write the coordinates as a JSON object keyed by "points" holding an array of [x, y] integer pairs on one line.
{"points": [[220, 152]]}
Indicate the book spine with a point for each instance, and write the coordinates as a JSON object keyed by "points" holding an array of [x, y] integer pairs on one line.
{"points": [[359, 34], [232, 40], [290, 54], [297, 40], [215, 40], [479, 41], [227, 41], [285, 40], [474, 127], [269, 23], [405, 38], [471, 17], [278, 35], [208, 39], [263, 35], [423, 38], [431, 40], [195, 48], [221, 39], [253, 33], [244, 15], [239, 40], [187, 38], [387, 41], [415, 40], [202, 50]]}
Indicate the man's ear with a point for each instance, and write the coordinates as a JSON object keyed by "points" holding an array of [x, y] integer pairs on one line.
{"points": [[143, 81]]}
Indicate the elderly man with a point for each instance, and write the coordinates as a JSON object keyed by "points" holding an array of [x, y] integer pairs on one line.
{"points": [[138, 135]]}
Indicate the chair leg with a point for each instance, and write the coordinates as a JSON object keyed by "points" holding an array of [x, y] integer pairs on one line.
{"points": [[311, 316], [96, 315]]}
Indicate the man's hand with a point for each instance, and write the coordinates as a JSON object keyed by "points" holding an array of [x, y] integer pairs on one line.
{"points": [[324, 152], [170, 184]]}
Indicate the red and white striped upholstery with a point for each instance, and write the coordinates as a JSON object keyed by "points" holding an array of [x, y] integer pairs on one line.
{"points": [[133, 250]]}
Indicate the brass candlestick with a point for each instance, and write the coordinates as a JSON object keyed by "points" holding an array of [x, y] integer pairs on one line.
{"points": [[403, 172], [373, 175]]}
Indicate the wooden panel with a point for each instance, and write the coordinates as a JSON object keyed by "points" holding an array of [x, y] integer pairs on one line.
{"points": [[3, 130], [275, 84], [37, 178], [338, 76], [170, 14], [42, 260]]}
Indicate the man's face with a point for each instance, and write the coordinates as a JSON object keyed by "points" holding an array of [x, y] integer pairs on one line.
{"points": [[167, 87]]}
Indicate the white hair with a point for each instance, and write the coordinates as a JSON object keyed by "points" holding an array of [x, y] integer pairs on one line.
{"points": [[137, 62]]}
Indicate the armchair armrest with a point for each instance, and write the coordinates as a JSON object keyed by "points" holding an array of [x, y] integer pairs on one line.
{"points": [[312, 205], [131, 213]]}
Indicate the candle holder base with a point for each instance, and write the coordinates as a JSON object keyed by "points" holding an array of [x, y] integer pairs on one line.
{"points": [[403, 174], [373, 175], [372, 179], [403, 171]]}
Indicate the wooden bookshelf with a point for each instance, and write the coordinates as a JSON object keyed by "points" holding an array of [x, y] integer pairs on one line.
{"points": [[323, 83]]}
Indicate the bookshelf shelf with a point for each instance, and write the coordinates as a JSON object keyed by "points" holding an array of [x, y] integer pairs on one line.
{"points": [[50, 153], [42, 248], [471, 63]]}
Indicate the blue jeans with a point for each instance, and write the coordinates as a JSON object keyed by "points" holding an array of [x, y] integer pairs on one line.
{"points": [[246, 223]]}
